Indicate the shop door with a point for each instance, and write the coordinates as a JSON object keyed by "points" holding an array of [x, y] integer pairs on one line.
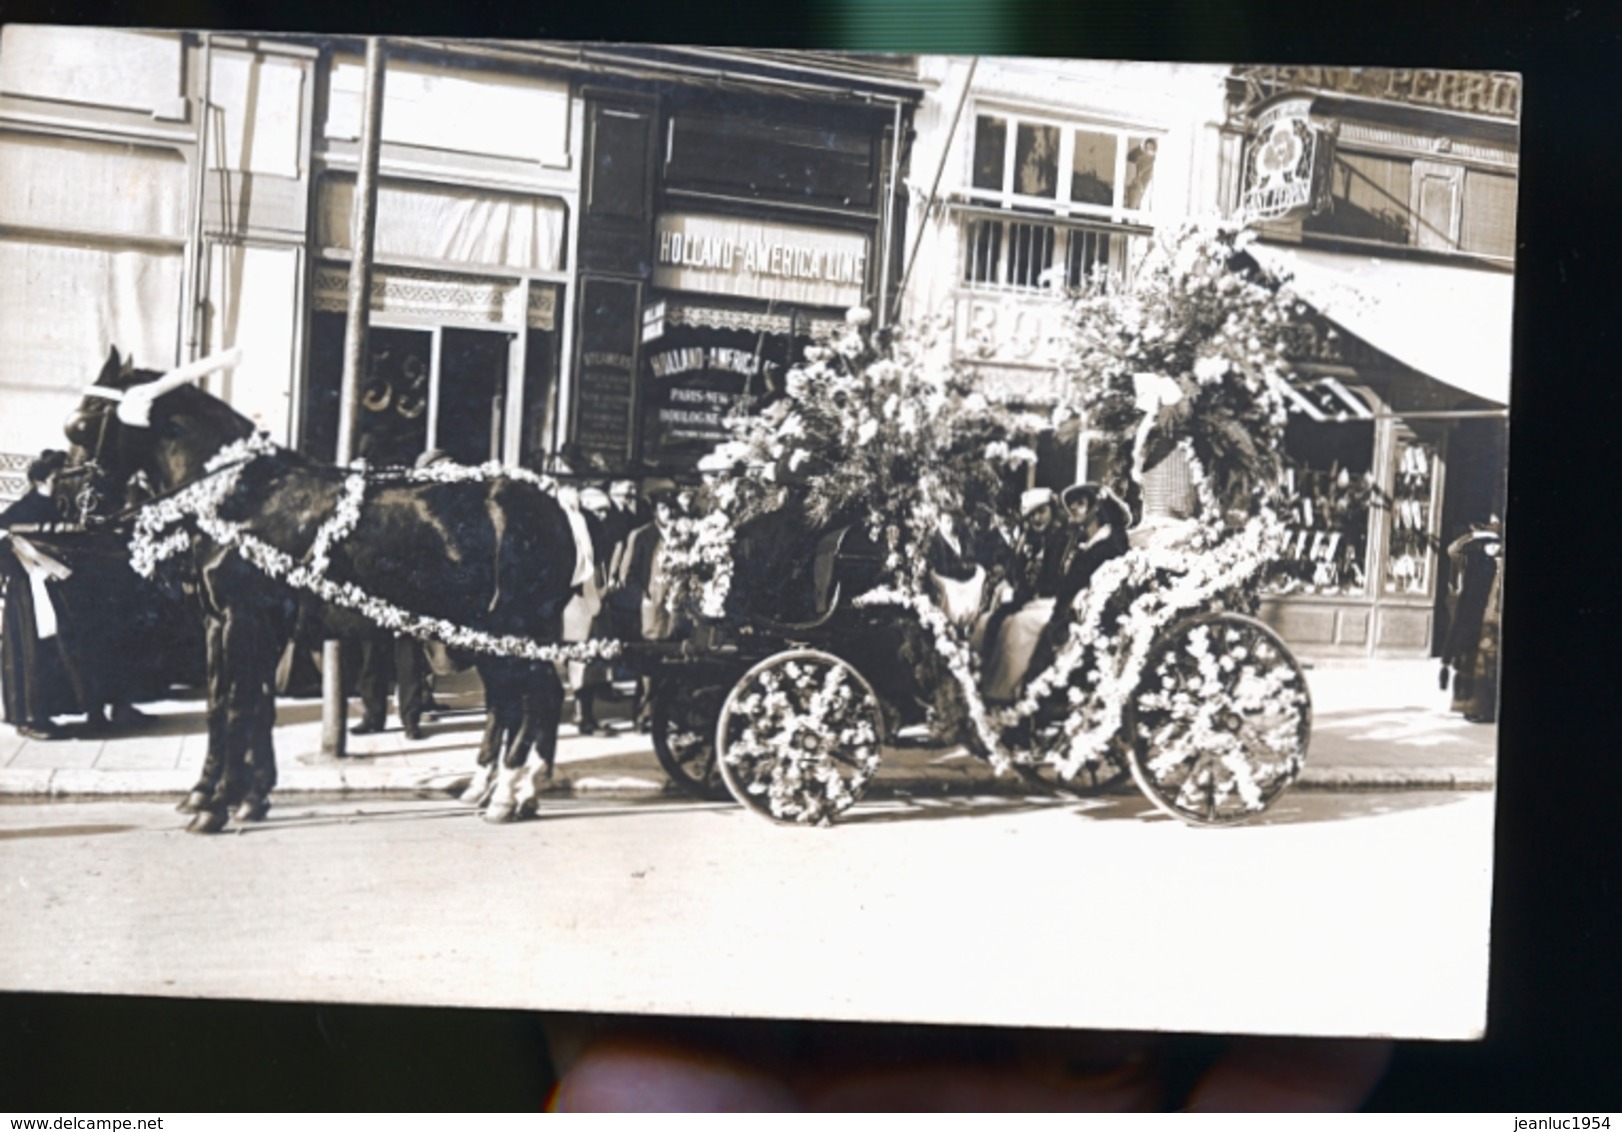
{"points": [[467, 417], [434, 387]]}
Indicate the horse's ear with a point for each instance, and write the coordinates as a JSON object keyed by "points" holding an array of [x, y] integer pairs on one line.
{"points": [[111, 368]]}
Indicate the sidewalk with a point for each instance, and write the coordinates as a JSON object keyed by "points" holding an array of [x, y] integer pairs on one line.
{"points": [[1376, 726]]}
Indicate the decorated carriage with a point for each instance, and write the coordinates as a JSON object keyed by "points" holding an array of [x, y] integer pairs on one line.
{"points": [[856, 573], [847, 577]]}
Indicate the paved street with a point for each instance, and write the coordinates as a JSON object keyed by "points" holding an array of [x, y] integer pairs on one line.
{"points": [[1372, 908], [1379, 725]]}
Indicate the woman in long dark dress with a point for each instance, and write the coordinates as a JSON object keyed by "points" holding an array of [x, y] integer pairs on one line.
{"points": [[33, 671]]}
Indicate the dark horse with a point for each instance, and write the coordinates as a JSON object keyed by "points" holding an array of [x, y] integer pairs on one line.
{"points": [[495, 555]]}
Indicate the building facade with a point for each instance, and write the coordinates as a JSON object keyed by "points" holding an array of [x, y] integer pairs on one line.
{"points": [[1029, 175], [582, 255], [1387, 198]]}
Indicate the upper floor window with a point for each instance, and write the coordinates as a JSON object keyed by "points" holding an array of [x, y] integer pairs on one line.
{"points": [[1421, 203], [1080, 170], [1068, 190]]}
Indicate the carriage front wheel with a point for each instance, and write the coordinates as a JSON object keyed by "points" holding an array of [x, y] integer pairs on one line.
{"points": [[1220, 721], [684, 718], [799, 737]]}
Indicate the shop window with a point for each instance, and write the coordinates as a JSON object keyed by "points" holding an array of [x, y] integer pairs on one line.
{"points": [[820, 164], [1411, 555], [1328, 488], [1067, 188]]}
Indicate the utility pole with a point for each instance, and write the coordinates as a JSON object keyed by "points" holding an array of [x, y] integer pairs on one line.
{"points": [[362, 228]]}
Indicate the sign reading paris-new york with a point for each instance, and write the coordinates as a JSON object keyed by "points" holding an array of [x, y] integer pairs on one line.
{"points": [[789, 262]]}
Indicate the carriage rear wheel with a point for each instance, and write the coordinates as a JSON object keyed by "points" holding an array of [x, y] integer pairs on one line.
{"points": [[799, 737], [1220, 721], [684, 719]]}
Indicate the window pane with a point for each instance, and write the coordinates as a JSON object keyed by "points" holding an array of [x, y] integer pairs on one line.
{"points": [[1030, 248], [1140, 172], [1036, 161], [1325, 507], [985, 251], [1092, 176], [990, 150], [1370, 200], [1088, 254], [1411, 557], [1488, 227]]}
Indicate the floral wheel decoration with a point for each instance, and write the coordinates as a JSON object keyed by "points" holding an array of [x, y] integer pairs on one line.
{"points": [[684, 722], [1221, 721], [799, 737]]}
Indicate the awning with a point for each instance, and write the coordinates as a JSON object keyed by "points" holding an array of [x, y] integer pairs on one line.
{"points": [[1451, 323]]}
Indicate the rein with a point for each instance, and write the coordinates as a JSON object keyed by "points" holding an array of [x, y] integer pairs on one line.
{"points": [[126, 513]]}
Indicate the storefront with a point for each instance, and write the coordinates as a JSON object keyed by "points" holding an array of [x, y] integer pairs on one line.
{"points": [[1386, 200], [581, 254], [722, 232]]}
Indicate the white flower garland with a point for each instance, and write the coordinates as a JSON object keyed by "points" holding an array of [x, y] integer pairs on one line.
{"points": [[1193, 580], [161, 532], [787, 757]]}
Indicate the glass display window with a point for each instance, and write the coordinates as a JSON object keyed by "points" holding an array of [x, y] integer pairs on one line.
{"points": [[1328, 488], [1410, 560]]}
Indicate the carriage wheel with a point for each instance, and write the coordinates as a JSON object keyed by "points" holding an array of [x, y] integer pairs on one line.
{"points": [[1220, 720], [799, 737], [684, 720]]}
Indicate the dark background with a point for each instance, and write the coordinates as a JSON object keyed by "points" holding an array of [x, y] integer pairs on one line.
{"points": [[1554, 999]]}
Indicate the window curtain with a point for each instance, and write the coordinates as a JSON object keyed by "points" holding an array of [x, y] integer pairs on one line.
{"points": [[71, 185], [65, 305], [451, 225]]}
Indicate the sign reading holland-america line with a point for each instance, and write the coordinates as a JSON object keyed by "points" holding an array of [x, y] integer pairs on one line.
{"points": [[790, 262]]}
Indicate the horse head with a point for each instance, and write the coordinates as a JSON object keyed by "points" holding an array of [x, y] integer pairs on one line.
{"points": [[132, 420]]}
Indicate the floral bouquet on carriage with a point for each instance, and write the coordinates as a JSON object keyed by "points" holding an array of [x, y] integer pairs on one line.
{"points": [[1179, 377]]}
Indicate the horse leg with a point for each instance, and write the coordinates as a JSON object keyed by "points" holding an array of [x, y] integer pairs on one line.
{"points": [[247, 680], [201, 799], [543, 714], [261, 741], [260, 756], [505, 695], [477, 792]]}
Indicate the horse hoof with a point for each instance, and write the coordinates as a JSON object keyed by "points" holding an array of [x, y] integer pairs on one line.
{"points": [[208, 821], [477, 793], [500, 815], [252, 809], [192, 803]]}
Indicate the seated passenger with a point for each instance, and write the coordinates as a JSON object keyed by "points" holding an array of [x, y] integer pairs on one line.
{"points": [[1011, 633]]}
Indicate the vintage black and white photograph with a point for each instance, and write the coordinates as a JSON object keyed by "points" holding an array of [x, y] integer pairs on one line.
{"points": [[752, 533]]}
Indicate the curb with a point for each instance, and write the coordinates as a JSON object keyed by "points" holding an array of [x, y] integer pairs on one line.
{"points": [[21, 784]]}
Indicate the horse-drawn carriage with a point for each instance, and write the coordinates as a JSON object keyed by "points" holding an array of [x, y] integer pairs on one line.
{"points": [[825, 628], [1203, 706]]}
